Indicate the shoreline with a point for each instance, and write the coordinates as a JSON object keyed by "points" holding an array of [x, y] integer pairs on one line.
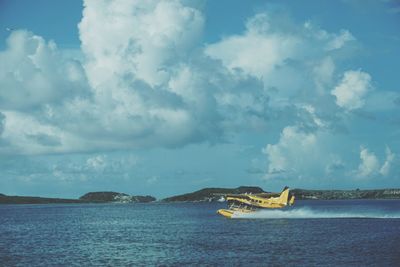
{"points": [[206, 195]]}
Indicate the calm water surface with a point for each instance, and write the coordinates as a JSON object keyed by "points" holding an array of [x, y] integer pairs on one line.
{"points": [[314, 233]]}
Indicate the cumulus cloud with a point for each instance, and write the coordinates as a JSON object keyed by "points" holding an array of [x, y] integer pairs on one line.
{"points": [[140, 38], [130, 63], [370, 165], [306, 149], [239, 51], [340, 40], [131, 50], [294, 62], [33, 73], [25, 134], [144, 79], [385, 169], [331, 41], [314, 154], [293, 152], [352, 89]]}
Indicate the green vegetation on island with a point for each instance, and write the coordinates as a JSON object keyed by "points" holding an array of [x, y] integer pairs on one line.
{"points": [[4, 199], [103, 197], [207, 194], [213, 194], [92, 197], [302, 194]]}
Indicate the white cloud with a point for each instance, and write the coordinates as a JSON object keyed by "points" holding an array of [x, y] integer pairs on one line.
{"points": [[258, 51], [293, 152], [143, 78], [128, 64], [351, 90], [385, 169], [370, 166], [332, 41], [26, 135], [293, 61], [97, 163], [145, 81], [137, 66], [369, 163], [138, 38], [33, 72], [314, 153], [313, 116], [340, 40]]}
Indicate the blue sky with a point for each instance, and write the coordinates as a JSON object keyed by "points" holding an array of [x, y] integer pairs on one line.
{"points": [[167, 97]]}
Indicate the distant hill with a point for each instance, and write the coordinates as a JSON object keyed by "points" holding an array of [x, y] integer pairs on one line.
{"points": [[302, 194], [92, 197], [207, 194], [34, 200], [211, 194], [102, 197]]}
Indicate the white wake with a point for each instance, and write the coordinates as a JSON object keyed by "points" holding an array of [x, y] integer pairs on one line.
{"points": [[307, 213]]}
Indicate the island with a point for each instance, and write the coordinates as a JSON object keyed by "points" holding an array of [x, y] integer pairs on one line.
{"points": [[4, 199], [215, 194], [91, 197], [302, 194], [104, 197], [207, 195]]}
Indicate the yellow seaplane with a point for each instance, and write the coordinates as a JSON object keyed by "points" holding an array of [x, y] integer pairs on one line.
{"points": [[247, 203]]}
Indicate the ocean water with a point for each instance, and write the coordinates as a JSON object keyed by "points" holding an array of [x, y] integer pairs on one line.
{"points": [[312, 233]]}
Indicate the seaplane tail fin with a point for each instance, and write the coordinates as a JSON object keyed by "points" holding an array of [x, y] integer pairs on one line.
{"points": [[284, 197], [291, 201]]}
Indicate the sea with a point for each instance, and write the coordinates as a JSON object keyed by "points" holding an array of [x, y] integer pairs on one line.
{"points": [[311, 233]]}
